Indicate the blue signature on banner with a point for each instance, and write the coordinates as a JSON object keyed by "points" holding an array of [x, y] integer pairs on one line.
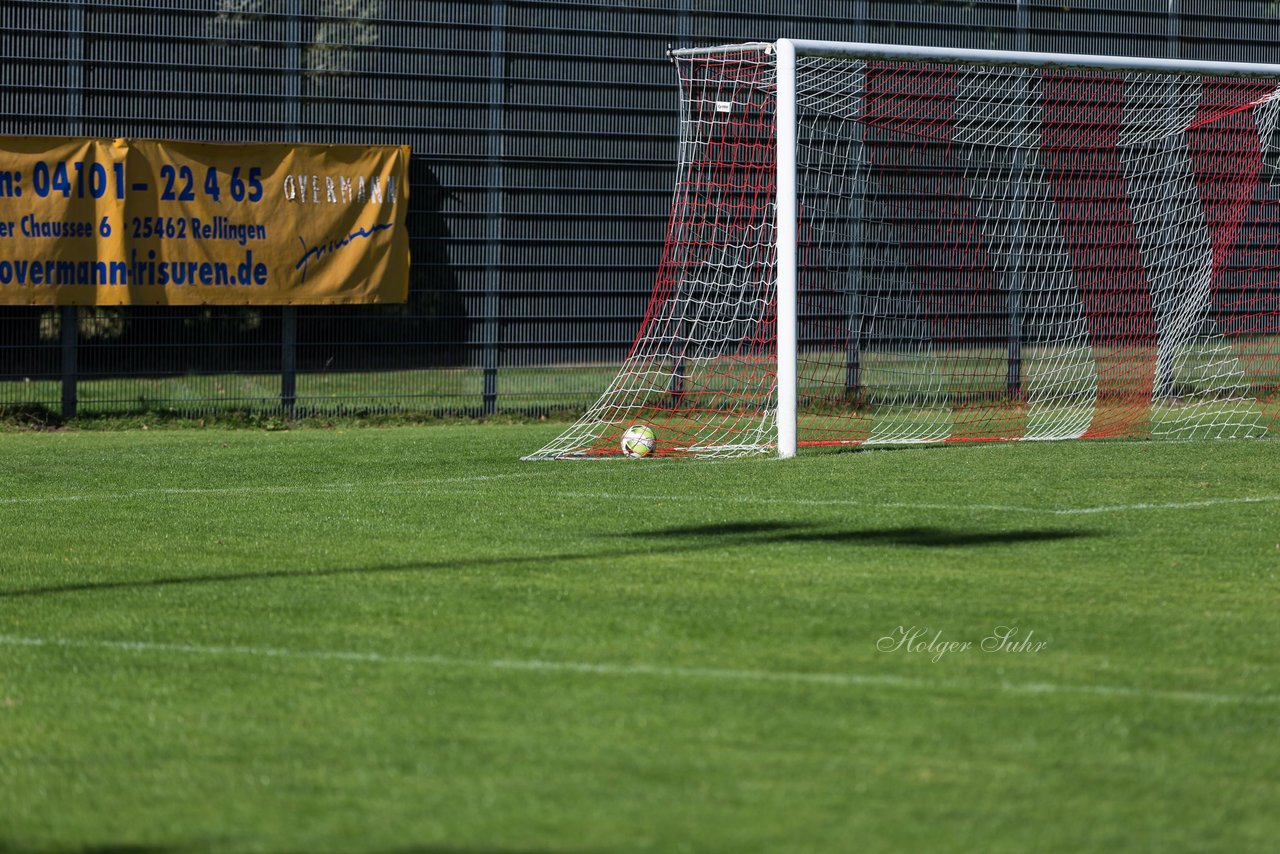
{"points": [[315, 253]]}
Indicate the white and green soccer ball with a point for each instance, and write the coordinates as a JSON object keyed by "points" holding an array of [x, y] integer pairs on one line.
{"points": [[638, 441]]}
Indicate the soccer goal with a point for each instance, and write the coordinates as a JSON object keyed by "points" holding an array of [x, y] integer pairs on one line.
{"points": [[888, 244]]}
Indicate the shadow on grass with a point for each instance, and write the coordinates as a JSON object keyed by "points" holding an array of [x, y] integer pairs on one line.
{"points": [[678, 540], [790, 532]]}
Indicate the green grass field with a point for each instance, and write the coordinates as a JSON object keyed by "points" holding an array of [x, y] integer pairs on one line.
{"points": [[407, 640]]}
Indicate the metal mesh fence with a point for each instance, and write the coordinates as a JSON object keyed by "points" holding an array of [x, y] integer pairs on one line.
{"points": [[543, 135]]}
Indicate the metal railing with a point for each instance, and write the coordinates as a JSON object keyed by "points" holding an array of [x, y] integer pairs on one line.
{"points": [[543, 135]]}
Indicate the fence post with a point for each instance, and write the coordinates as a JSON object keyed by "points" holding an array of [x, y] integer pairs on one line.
{"points": [[69, 315], [75, 67], [69, 321], [293, 64], [1165, 338], [494, 202], [288, 359], [293, 118], [853, 308], [1018, 213]]}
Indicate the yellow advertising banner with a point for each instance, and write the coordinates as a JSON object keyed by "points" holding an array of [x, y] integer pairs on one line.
{"points": [[147, 222]]}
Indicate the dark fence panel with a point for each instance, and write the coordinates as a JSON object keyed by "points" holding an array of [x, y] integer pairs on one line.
{"points": [[543, 136]]}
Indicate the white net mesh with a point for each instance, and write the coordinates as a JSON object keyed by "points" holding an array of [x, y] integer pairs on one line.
{"points": [[985, 253]]}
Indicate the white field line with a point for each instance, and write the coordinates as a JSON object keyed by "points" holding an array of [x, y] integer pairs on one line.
{"points": [[426, 486], [265, 489], [699, 674]]}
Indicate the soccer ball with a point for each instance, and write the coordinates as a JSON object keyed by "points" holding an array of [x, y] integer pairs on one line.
{"points": [[638, 441]]}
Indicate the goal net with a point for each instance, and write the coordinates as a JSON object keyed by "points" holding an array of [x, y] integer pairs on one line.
{"points": [[876, 244]]}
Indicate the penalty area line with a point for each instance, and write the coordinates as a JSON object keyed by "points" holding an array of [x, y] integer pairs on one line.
{"points": [[705, 674], [265, 489]]}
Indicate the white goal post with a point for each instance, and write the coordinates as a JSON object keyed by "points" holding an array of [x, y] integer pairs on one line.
{"points": [[894, 244]]}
